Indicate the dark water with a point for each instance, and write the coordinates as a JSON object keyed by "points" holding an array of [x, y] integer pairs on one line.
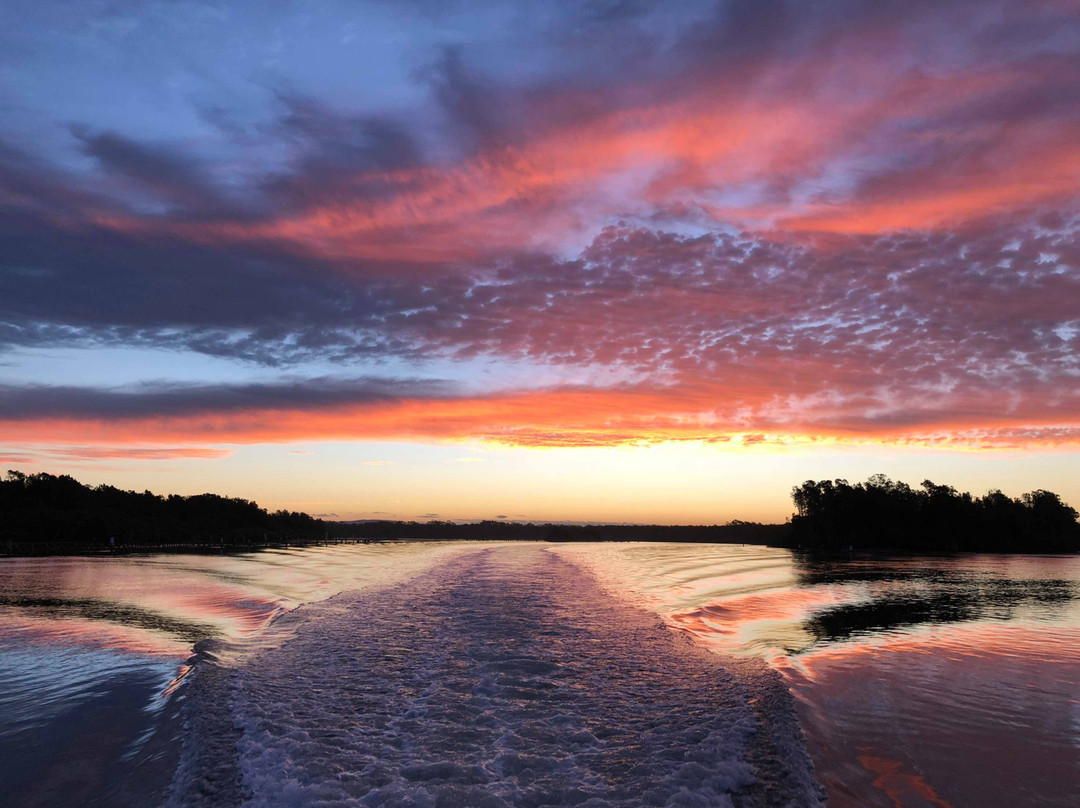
{"points": [[919, 681]]}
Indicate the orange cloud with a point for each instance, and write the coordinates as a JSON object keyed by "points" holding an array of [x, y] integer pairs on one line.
{"points": [[1042, 174], [564, 418]]}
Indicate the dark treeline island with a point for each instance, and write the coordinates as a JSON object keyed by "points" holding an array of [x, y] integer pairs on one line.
{"points": [[45, 513], [881, 513]]}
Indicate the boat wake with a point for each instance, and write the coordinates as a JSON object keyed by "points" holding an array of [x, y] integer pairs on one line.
{"points": [[504, 676]]}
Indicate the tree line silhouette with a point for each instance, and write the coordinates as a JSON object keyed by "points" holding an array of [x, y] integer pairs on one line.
{"points": [[499, 530], [882, 513], [48, 513], [48, 509]]}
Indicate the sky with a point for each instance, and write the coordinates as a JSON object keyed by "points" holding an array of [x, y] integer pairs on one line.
{"points": [[619, 261]]}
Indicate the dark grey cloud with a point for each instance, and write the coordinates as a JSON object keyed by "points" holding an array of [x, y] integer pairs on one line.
{"points": [[21, 402], [332, 150], [76, 283], [466, 99], [31, 186], [160, 173]]}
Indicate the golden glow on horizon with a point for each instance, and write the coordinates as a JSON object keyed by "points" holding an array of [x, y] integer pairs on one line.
{"points": [[669, 483]]}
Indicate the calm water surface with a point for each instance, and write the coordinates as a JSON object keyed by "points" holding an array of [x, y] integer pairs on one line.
{"points": [[921, 681]]}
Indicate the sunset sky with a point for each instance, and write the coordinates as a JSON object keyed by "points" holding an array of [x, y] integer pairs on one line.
{"points": [[623, 261]]}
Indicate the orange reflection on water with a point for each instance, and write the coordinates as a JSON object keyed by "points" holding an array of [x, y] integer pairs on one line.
{"points": [[901, 783], [905, 670], [162, 605], [217, 606], [177, 680]]}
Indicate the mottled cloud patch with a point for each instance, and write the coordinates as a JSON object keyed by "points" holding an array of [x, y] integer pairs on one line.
{"points": [[727, 333]]}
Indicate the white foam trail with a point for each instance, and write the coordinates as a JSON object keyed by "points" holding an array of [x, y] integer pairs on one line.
{"points": [[501, 677]]}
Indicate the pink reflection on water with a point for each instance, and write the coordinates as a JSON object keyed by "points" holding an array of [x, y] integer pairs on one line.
{"points": [[141, 604], [768, 623], [164, 604], [230, 609], [51, 631]]}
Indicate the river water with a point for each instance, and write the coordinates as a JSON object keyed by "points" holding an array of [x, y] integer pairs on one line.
{"points": [[921, 681], [943, 681]]}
